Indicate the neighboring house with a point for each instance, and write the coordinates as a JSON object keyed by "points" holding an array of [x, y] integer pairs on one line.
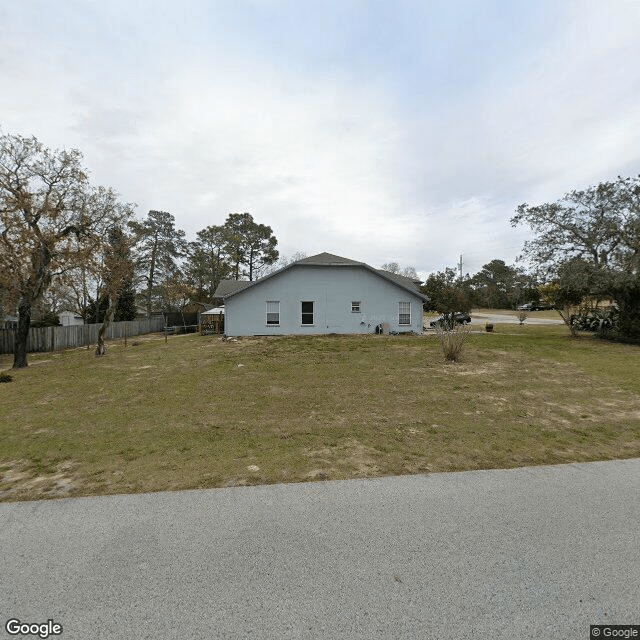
{"points": [[70, 318], [322, 294], [141, 311], [9, 323]]}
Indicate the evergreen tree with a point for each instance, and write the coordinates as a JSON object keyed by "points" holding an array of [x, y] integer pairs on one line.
{"points": [[159, 245], [207, 262], [126, 307], [248, 244]]}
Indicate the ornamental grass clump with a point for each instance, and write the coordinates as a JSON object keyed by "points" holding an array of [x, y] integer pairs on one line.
{"points": [[452, 341]]}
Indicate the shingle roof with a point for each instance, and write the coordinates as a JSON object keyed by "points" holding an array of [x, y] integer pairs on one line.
{"points": [[410, 282], [327, 259], [228, 288]]}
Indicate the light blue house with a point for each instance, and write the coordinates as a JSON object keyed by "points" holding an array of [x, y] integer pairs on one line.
{"points": [[322, 294]]}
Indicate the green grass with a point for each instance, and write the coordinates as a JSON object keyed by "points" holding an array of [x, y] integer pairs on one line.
{"points": [[199, 412]]}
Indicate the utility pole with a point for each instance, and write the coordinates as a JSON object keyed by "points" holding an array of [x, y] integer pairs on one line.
{"points": [[460, 267]]}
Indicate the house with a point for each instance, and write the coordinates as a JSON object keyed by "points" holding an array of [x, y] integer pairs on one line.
{"points": [[70, 318], [322, 294], [9, 323]]}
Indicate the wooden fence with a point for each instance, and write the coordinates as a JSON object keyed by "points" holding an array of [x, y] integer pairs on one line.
{"points": [[57, 338]]}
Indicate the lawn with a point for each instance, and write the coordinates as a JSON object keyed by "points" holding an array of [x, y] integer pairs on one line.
{"points": [[200, 412]]}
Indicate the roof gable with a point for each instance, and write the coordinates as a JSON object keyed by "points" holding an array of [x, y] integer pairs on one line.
{"points": [[328, 259], [228, 288]]}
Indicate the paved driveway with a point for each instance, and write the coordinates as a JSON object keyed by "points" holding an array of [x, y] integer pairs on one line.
{"points": [[528, 553]]}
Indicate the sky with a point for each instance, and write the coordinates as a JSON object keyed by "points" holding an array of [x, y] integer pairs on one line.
{"points": [[397, 131]]}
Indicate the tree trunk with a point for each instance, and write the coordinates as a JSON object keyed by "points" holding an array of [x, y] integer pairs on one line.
{"points": [[152, 273], [22, 335], [251, 265], [628, 301], [101, 349]]}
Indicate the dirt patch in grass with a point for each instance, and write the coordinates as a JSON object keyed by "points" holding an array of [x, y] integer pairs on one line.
{"points": [[184, 414], [21, 479], [348, 459]]}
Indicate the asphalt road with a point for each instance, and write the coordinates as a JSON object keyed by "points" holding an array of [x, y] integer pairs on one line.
{"points": [[528, 553], [503, 318]]}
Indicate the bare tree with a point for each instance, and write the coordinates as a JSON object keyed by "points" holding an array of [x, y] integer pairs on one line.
{"points": [[51, 220], [118, 272], [391, 267], [396, 269]]}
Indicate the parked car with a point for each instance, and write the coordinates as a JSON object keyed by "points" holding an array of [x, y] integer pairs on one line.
{"points": [[533, 306], [460, 317]]}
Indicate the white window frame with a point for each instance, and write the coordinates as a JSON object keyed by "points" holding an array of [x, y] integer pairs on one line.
{"points": [[313, 313], [356, 306], [404, 309], [268, 312]]}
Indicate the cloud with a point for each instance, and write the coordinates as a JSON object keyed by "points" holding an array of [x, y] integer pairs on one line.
{"points": [[314, 161], [562, 115], [400, 132]]}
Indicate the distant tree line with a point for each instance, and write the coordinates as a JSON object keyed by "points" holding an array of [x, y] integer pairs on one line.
{"points": [[584, 260], [496, 286]]}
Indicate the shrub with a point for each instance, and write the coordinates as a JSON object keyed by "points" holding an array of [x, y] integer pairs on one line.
{"points": [[5, 377], [602, 321], [452, 341]]}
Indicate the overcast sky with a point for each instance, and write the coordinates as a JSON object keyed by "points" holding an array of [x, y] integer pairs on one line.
{"points": [[381, 131]]}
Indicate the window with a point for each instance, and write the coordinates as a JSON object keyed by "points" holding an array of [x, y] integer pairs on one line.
{"points": [[404, 313], [307, 313], [355, 306], [273, 312]]}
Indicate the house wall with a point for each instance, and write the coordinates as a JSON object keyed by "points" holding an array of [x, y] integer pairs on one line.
{"points": [[69, 319], [332, 289]]}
